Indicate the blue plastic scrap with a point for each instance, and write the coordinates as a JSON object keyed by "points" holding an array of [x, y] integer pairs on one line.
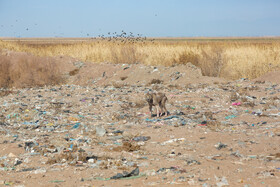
{"points": [[230, 116], [153, 120], [76, 125], [30, 123], [167, 118]]}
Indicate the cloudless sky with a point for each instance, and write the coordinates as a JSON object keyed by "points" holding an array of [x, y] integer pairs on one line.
{"points": [[152, 18]]}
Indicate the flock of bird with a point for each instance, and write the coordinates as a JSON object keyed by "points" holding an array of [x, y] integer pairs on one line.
{"points": [[124, 38], [119, 38]]}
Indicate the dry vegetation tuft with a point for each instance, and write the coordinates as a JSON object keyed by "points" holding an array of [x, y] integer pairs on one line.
{"points": [[28, 72], [123, 78], [232, 58], [155, 81], [74, 72]]}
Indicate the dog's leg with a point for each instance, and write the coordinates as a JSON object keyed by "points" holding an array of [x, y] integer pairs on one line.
{"points": [[157, 107]]}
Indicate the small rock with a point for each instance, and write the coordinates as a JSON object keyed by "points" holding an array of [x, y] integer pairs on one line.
{"points": [[11, 155]]}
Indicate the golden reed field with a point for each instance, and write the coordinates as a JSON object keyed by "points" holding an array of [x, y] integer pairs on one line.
{"points": [[230, 58]]}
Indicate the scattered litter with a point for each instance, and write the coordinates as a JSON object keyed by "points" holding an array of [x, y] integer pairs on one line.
{"points": [[275, 156], [203, 123], [174, 169], [72, 128], [192, 162], [127, 146], [57, 181], [173, 140], [134, 172], [221, 181], [167, 118], [220, 145], [187, 106], [76, 125], [141, 138], [230, 117], [100, 131]]}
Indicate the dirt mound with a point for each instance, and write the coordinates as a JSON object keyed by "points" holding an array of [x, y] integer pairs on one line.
{"points": [[273, 77], [25, 70], [138, 74]]}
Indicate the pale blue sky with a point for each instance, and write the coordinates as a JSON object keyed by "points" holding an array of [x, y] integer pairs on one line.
{"points": [[152, 18]]}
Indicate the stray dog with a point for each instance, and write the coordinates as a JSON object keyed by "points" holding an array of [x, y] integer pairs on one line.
{"points": [[158, 100]]}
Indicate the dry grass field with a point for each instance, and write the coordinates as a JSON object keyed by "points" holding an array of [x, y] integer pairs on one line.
{"points": [[230, 58]]}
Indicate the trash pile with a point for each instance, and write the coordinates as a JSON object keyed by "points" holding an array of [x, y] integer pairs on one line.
{"points": [[216, 133]]}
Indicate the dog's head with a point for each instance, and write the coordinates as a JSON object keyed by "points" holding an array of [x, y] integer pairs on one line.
{"points": [[149, 97]]}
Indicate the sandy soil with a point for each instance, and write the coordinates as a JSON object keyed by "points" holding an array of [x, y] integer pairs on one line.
{"points": [[97, 125]]}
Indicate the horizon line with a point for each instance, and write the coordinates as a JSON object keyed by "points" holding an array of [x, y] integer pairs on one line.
{"points": [[159, 37]]}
